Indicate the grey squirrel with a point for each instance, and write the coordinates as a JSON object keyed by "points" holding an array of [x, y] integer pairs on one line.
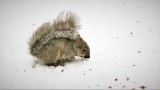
{"points": [[59, 42]]}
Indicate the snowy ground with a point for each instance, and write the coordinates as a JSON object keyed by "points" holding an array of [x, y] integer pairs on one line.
{"points": [[124, 37]]}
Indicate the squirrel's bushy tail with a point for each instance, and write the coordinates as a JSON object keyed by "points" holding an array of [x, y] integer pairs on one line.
{"points": [[66, 25], [68, 21]]}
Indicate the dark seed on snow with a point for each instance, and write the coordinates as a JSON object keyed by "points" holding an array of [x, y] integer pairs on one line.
{"points": [[110, 87], [115, 79], [142, 87]]}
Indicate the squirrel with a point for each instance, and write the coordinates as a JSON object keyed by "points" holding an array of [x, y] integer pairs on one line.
{"points": [[59, 42]]}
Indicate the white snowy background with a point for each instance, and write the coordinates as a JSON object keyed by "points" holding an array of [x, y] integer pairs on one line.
{"points": [[123, 35]]}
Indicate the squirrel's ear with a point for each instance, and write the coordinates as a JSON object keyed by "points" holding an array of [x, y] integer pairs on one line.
{"points": [[78, 38]]}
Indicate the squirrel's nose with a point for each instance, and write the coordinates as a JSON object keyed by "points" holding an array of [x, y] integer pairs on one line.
{"points": [[87, 56]]}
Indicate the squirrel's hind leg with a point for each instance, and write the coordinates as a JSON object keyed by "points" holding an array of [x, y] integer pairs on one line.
{"points": [[62, 62], [66, 60], [54, 58]]}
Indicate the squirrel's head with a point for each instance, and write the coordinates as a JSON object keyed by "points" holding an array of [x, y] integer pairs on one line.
{"points": [[83, 49]]}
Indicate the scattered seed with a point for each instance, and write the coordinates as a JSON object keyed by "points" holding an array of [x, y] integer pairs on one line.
{"points": [[137, 21], [127, 79], [123, 86], [142, 87], [62, 70], [139, 51], [110, 87], [115, 79], [84, 74], [134, 65]]}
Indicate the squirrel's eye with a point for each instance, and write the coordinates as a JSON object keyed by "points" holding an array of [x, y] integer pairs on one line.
{"points": [[84, 50]]}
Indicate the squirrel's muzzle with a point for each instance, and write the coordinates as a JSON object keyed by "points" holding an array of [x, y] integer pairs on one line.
{"points": [[87, 56]]}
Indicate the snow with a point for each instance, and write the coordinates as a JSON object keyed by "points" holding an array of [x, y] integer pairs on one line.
{"points": [[123, 35]]}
